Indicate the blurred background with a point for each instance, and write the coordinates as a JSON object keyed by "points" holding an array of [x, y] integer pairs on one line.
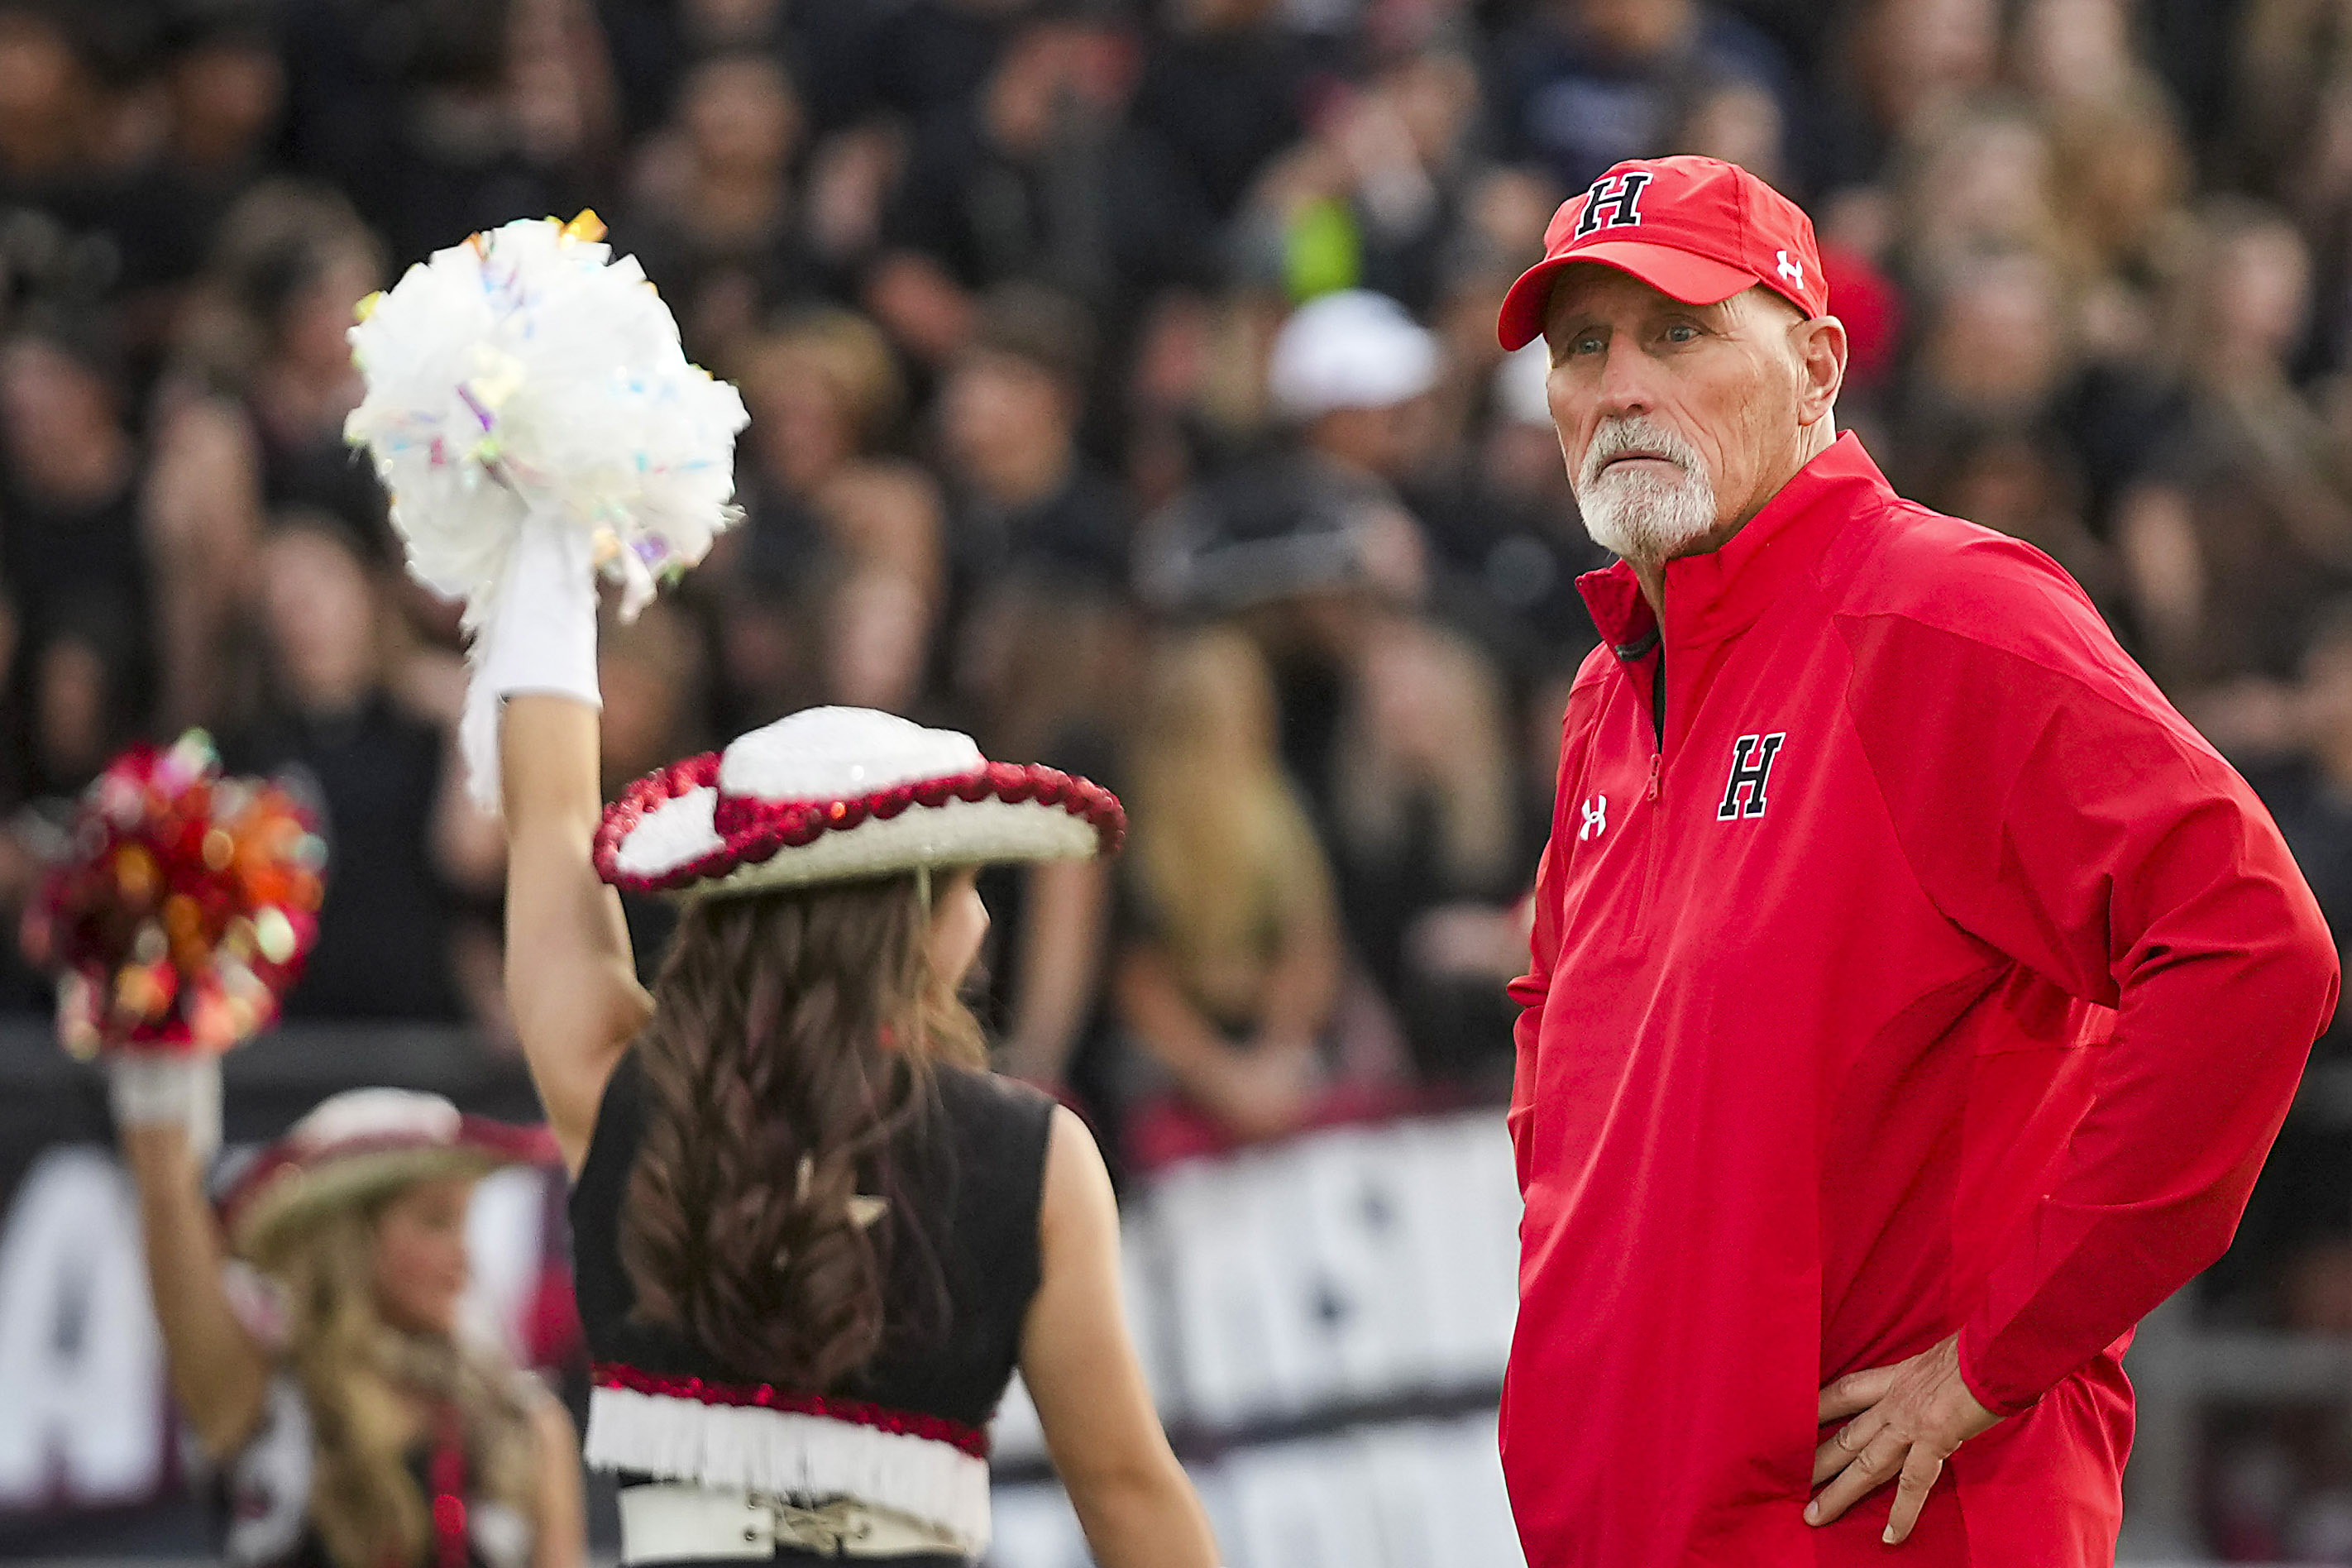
{"points": [[1039, 450]]}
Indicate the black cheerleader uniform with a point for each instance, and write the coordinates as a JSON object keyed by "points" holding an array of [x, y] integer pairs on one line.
{"points": [[897, 1459], [262, 1496]]}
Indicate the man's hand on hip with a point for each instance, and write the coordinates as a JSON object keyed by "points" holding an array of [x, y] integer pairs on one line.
{"points": [[1907, 1419]]}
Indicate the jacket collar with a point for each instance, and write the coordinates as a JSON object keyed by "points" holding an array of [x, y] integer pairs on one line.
{"points": [[1716, 596]]}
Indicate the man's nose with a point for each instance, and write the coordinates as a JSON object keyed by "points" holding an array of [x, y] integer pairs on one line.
{"points": [[1626, 388]]}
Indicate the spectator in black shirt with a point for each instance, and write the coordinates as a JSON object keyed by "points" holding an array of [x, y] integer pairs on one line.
{"points": [[1582, 84], [72, 545], [1506, 546], [398, 828], [1226, 87], [1040, 177], [1902, 65], [714, 217], [1422, 833], [2311, 794], [494, 119], [2301, 1211], [830, 48], [250, 422], [226, 88], [1024, 497], [933, 55], [78, 699]]}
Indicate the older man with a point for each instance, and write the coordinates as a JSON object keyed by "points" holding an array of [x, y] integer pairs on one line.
{"points": [[1915, 994]]}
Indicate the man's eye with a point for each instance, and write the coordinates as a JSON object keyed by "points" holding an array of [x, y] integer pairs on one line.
{"points": [[1681, 333], [1590, 343]]}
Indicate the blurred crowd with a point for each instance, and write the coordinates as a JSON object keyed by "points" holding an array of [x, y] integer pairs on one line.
{"points": [[1125, 392]]}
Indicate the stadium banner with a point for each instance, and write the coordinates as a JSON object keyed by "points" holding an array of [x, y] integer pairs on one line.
{"points": [[1323, 1321]]}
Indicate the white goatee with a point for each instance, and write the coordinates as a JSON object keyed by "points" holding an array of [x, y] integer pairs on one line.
{"points": [[1646, 516]]}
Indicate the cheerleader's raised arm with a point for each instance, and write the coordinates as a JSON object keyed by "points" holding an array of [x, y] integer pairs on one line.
{"points": [[537, 425], [309, 1327], [572, 983], [175, 923]]}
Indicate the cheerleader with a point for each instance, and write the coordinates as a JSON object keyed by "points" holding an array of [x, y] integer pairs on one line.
{"points": [[312, 1336], [309, 1327], [814, 1237]]}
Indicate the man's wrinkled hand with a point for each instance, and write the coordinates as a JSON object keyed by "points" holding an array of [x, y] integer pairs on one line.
{"points": [[1907, 1420]]}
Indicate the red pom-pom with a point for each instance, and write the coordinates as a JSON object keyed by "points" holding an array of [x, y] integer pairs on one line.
{"points": [[186, 908]]}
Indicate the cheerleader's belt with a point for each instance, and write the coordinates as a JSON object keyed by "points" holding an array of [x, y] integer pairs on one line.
{"points": [[667, 1522]]}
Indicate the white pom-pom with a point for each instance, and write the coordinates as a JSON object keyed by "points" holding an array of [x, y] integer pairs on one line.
{"points": [[523, 373]]}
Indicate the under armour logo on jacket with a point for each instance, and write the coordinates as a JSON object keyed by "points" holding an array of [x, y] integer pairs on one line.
{"points": [[1596, 818], [1793, 270], [1619, 196], [1751, 770]]}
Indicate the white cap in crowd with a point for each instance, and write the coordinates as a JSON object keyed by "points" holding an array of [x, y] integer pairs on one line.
{"points": [[1520, 385], [1354, 349]]}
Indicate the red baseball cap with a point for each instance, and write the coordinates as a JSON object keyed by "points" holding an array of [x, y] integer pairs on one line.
{"points": [[1699, 229]]}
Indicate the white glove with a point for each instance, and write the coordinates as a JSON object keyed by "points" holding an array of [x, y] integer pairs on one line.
{"points": [[543, 633], [539, 637], [150, 1088]]}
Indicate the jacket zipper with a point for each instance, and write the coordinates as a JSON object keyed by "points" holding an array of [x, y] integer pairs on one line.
{"points": [[1651, 849]]}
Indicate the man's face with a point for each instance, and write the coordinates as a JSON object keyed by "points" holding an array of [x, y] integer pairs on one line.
{"points": [[1677, 421]]}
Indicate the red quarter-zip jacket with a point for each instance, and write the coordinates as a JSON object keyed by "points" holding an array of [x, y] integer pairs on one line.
{"points": [[1928, 974]]}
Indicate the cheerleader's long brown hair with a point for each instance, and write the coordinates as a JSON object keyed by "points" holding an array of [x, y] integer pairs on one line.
{"points": [[789, 1049], [361, 1382]]}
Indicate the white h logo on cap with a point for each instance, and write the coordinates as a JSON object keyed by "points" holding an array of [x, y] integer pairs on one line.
{"points": [[1791, 270]]}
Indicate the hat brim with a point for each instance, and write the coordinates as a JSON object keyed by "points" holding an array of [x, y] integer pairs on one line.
{"points": [[289, 1188], [671, 833], [1677, 274]]}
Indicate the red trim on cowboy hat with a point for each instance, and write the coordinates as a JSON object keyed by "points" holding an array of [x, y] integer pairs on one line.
{"points": [[781, 807], [361, 1145], [1695, 229]]}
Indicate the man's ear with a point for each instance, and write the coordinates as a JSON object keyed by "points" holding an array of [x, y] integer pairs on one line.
{"points": [[1821, 347]]}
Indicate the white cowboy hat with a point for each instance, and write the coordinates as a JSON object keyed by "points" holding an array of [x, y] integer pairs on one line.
{"points": [[358, 1145], [834, 795]]}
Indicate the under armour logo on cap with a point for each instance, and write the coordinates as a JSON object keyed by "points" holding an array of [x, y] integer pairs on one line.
{"points": [[1619, 196], [1791, 270]]}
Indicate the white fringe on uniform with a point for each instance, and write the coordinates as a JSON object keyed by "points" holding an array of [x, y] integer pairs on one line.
{"points": [[787, 1454]]}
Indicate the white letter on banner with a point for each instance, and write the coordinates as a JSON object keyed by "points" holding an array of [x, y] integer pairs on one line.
{"points": [[506, 1237], [79, 1350]]}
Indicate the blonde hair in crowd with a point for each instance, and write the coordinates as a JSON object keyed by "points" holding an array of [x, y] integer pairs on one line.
{"points": [[1373, 785], [361, 1380], [1224, 850]]}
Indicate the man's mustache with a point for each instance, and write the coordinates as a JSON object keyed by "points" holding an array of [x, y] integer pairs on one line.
{"points": [[1634, 438]]}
